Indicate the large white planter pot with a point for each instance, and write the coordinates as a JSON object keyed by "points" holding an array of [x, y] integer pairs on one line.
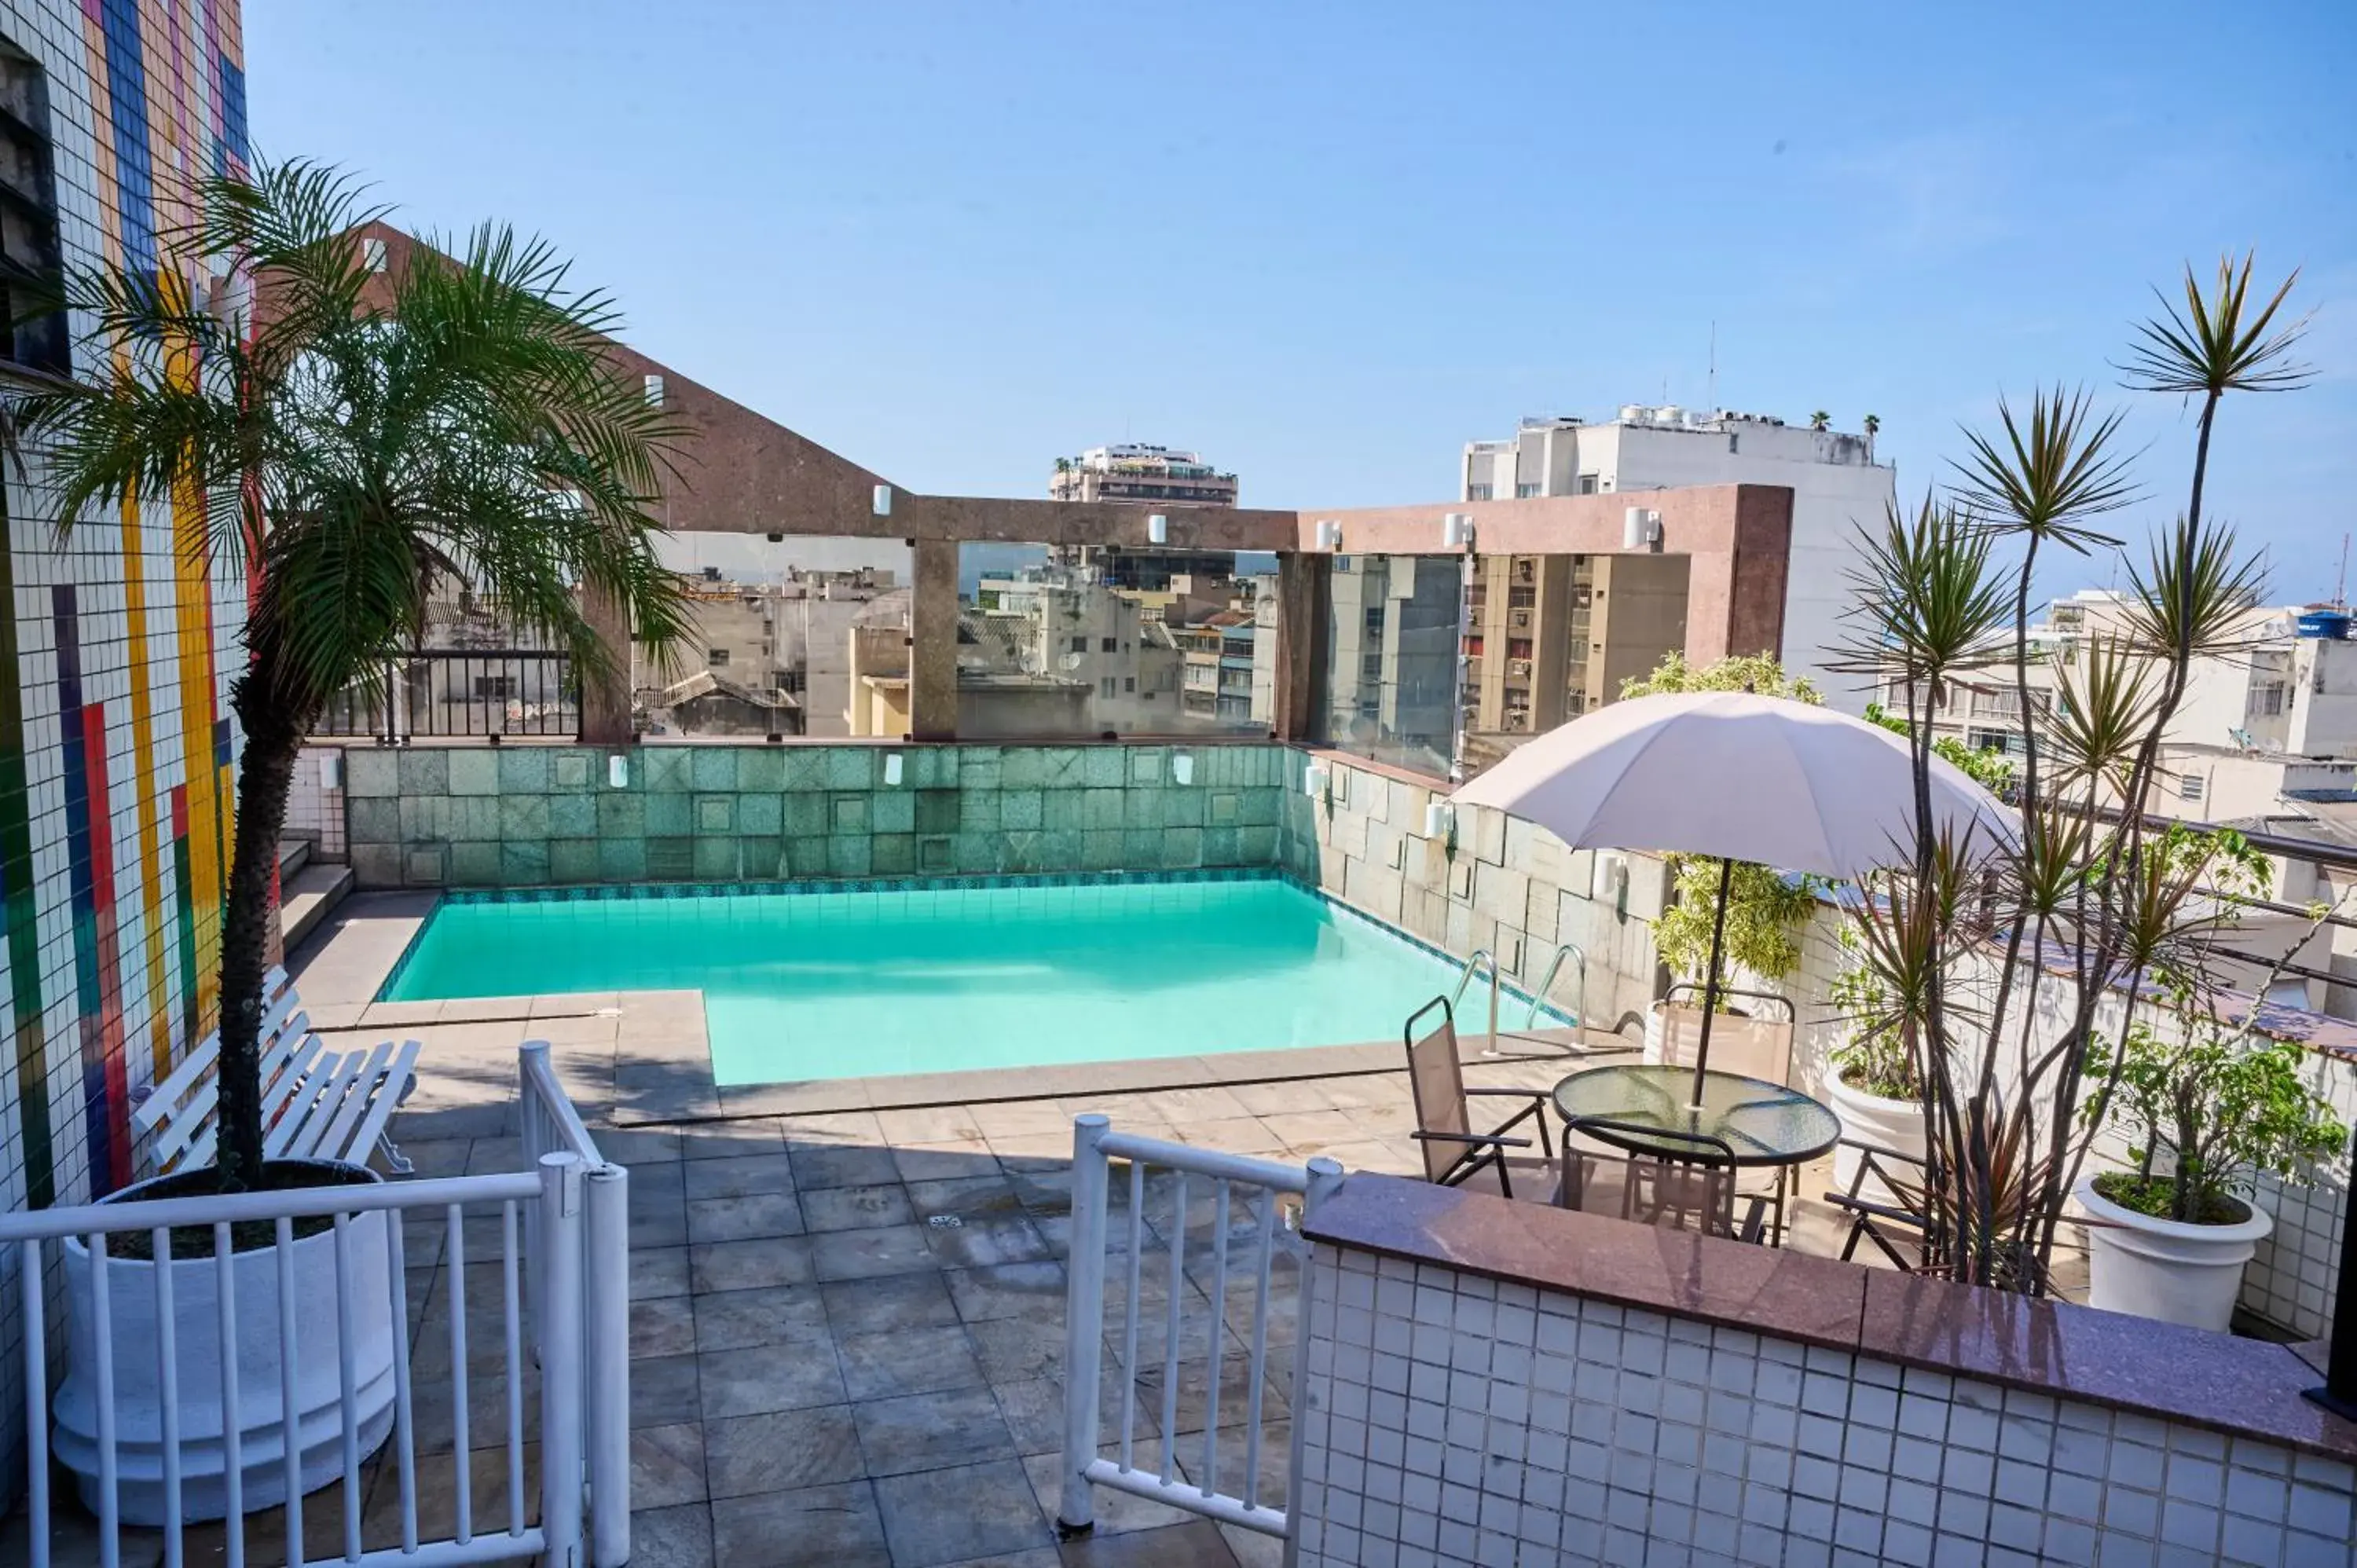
{"points": [[139, 1390], [2158, 1268], [1893, 1124]]}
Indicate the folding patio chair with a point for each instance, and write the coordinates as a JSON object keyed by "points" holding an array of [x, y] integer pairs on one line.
{"points": [[1695, 1184], [1444, 1123]]}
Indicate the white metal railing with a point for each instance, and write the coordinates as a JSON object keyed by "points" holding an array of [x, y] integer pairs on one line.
{"points": [[1094, 1146], [552, 1125], [198, 1432]]}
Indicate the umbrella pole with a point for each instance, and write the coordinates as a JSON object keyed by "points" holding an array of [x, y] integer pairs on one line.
{"points": [[1710, 986]]}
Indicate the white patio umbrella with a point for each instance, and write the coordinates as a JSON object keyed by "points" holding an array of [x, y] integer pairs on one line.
{"points": [[1740, 777]]}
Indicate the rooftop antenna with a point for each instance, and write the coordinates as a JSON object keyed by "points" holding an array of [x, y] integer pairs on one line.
{"points": [[2341, 583], [1711, 394]]}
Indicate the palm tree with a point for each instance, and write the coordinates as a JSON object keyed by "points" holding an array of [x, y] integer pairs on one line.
{"points": [[1873, 428], [359, 441], [1821, 420]]}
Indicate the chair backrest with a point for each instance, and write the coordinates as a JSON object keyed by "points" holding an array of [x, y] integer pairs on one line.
{"points": [[1437, 1081], [1755, 1047], [1698, 1180], [180, 1110]]}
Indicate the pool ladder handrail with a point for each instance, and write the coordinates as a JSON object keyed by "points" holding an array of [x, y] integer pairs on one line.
{"points": [[1538, 996]]}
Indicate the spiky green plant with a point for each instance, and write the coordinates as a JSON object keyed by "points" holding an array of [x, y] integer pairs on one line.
{"points": [[355, 440], [2001, 955]]}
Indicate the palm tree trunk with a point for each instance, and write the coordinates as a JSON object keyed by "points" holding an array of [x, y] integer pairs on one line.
{"points": [[265, 773]]}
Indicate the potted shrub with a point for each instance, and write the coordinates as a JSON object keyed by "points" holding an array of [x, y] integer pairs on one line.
{"points": [[2202, 1113], [139, 1393], [1876, 1088], [368, 436]]}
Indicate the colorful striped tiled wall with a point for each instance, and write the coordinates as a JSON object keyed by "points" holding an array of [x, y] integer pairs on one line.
{"points": [[116, 746]]}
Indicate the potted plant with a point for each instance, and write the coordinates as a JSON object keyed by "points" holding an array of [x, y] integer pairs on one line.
{"points": [[2204, 1112], [2005, 948], [1876, 1087], [361, 436]]}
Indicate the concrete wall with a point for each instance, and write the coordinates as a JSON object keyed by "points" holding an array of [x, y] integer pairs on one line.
{"points": [[517, 816]]}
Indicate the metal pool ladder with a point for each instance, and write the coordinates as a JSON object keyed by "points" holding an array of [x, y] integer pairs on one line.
{"points": [[1483, 957]]}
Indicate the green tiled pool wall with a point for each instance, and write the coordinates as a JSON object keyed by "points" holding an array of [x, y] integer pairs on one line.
{"points": [[544, 816]]}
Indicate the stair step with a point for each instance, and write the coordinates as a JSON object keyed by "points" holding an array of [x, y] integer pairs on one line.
{"points": [[293, 855], [308, 899]]}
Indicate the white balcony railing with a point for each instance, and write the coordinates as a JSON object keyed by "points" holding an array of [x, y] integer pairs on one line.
{"points": [[235, 1381], [1242, 1202]]}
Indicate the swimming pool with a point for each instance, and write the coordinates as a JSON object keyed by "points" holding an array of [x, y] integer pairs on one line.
{"points": [[945, 977]]}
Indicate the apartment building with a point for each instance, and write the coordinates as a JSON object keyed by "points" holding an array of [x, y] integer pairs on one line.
{"points": [[1838, 488], [1131, 471], [767, 658], [1547, 638]]}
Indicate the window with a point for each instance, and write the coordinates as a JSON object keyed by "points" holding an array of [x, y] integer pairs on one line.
{"points": [[2189, 786], [1524, 492], [1734, 443], [1109, 687], [495, 686], [793, 679], [1375, 620], [1342, 562], [1477, 492], [2271, 699], [1521, 598], [1370, 667], [1587, 484], [1129, 682], [1107, 645], [717, 659], [1080, 645], [28, 218]]}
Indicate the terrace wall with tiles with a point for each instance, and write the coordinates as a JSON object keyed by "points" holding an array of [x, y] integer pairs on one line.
{"points": [[115, 740], [529, 816], [1454, 1419], [1497, 883]]}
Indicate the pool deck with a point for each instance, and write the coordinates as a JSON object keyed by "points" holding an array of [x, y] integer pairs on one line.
{"points": [[822, 1374]]}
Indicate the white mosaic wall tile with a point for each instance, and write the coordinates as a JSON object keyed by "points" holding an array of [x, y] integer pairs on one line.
{"points": [[1452, 1420]]}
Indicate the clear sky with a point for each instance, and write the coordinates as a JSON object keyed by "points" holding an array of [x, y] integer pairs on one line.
{"points": [[1327, 244]]}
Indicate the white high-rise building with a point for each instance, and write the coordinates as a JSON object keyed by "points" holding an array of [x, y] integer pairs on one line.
{"points": [[1837, 488]]}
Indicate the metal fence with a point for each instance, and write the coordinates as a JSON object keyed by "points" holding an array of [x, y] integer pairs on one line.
{"points": [[435, 691], [1243, 1214], [552, 1127], [154, 1436]]}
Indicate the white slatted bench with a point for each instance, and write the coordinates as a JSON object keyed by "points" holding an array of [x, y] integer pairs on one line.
{"points": [[316, 1104]]}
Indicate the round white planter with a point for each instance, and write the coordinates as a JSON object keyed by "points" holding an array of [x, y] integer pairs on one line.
{"points": [[139, 1388], [1893, 1124], [2158, 1268]]}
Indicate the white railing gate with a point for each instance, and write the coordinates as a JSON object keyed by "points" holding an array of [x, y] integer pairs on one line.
{"points": [[1094, 1146]]}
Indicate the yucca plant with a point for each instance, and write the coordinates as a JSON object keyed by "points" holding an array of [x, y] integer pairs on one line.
{"points": [[2004, 957], [358, 439]]}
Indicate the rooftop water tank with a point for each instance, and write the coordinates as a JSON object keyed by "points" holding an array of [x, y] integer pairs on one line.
{"points": [[2330, 625]]}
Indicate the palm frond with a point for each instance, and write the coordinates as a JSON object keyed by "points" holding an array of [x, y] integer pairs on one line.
{"points": [[2219, 342], [2046, 473]]}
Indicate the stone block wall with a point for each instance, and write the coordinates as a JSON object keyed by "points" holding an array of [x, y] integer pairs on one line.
{"points": [[533, 816], [1496, 883]]}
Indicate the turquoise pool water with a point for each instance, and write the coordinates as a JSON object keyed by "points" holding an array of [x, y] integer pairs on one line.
{"points": [[824, 984]]}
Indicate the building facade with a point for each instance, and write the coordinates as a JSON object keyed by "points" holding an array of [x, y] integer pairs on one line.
{"points": [[117, 742], [1131, 471], [1837, 488]]}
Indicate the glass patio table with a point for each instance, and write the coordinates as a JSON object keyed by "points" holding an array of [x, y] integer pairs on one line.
{"points": [[1763, 1124]]}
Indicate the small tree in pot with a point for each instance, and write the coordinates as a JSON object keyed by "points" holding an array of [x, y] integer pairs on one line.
{"points": [[2206, 1106], [352, 439]]}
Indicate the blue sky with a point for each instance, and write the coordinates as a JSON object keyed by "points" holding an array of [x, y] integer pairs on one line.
{"points": [[1327, 244]]}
